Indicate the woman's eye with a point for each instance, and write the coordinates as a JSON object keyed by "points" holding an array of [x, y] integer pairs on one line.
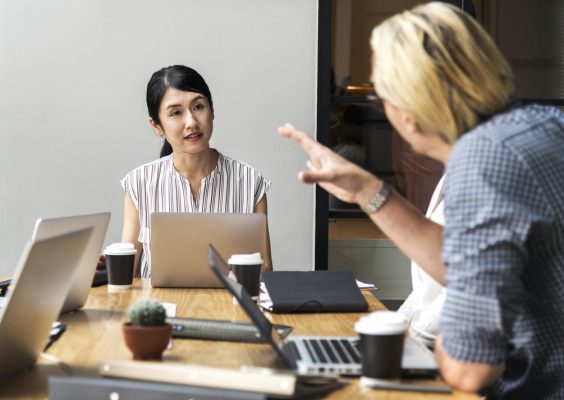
{"points": [[198, 107], [175, 113]]}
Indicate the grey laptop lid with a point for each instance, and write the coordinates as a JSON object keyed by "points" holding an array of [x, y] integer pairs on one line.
{"points": [[39, 287], [179, 245], [84, 274]]}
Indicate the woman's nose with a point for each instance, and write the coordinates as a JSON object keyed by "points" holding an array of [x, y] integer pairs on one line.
{"points": [[190, 120]]}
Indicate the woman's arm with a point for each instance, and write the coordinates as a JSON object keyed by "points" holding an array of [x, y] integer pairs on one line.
{"points": [[417, 237], [131, 228], [262, 207], [466, 376]]}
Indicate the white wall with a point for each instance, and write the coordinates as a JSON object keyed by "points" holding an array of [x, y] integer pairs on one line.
{"points": [[73, 119]]}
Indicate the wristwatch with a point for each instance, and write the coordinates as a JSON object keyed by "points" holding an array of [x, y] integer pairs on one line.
{"points": [[378, 200]]}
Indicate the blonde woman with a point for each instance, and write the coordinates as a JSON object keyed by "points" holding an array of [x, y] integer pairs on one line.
{"points": [[445, 84]]}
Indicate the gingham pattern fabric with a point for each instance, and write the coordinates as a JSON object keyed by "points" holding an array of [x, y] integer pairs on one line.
{"points": [[232, 187], [504, 248]]}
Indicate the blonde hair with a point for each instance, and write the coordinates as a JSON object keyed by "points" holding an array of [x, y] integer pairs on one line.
{"points": [[437, 64]]}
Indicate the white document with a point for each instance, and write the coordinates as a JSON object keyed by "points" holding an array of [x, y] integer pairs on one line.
{"points": [[170, 309]]}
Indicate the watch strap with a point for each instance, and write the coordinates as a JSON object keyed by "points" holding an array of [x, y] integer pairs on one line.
{"points": [[378, 200]]}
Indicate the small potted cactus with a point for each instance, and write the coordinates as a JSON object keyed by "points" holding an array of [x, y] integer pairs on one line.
{"points": [[147, 334]]}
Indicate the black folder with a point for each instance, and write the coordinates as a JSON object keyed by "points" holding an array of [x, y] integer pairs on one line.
{"points": [[313, 291]]}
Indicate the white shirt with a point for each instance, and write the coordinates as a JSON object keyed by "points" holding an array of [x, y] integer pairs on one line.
{"points": [[232, 187], [424, 304]]}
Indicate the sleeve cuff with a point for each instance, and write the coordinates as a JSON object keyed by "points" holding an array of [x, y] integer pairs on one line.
{"points": [[472, 328]]}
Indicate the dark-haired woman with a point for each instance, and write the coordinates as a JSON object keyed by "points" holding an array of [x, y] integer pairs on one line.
{"points": [[190, 176]]}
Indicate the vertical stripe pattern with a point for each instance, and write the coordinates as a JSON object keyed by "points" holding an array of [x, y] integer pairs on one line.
{"points": [[232, 187]]}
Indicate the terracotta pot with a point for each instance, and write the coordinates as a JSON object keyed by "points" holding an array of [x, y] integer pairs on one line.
{"points": [[147, 342]]}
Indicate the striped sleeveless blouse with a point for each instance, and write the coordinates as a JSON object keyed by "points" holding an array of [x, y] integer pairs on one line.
{"points": [[232, 187]]}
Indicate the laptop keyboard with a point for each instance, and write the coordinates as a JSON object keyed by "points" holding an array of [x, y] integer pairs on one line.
{"points": [[214, 330], [209, 329], [330, 350]]}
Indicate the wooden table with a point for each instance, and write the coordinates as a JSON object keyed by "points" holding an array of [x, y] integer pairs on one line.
{"points": [[94, 335]]}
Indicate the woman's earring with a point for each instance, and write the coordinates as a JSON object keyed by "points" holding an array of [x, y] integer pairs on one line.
{"points": [[162, 137]]}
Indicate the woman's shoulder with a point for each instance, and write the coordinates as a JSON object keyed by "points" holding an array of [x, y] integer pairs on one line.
{"points": [[241, 172], [151, 166], [146, 172], [228, 163]]}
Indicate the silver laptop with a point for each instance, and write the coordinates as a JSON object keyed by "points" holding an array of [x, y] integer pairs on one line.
{"points": [[39, 287], [318, 355], [179, 245], [84, 274]]}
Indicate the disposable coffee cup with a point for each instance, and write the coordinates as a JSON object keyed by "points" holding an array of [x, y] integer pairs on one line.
{"points": [[382, 334], [246, 270], [120, 261]]}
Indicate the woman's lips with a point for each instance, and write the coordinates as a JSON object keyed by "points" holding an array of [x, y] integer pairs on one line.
{"points": [[193, 137]]}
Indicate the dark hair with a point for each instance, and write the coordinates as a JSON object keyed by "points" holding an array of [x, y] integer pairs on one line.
{"points": [[178, 77]]}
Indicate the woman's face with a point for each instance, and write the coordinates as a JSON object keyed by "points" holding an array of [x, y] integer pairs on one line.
{"points": [[423, 141], [404, 126], [186, 121]]}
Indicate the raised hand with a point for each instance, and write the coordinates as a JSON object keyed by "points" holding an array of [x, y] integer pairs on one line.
{"points": [[343, 179]]}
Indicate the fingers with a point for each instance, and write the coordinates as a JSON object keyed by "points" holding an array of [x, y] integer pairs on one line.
{"points": [[315, 177], [311, 165], [314, 149], [101, 262], [302, 138], [287, 130]]}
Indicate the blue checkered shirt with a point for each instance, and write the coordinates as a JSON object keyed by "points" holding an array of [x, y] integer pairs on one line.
{"points": [[504, 248]]}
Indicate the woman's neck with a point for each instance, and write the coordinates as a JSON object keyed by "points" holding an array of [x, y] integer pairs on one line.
{"points": [[195, 167]]}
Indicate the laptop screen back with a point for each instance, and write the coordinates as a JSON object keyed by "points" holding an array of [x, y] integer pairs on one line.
{"points": [[41, 283], [84, 274], [220, 268], [179, 245]]}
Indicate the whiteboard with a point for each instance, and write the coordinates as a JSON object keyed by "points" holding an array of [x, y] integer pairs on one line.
{"points": [[73, 75]]}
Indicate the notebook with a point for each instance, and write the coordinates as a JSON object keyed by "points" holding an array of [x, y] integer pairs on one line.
{"points": [[179, 245], [84, 274], [317, 355], [313, 291], [35, 298]]}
